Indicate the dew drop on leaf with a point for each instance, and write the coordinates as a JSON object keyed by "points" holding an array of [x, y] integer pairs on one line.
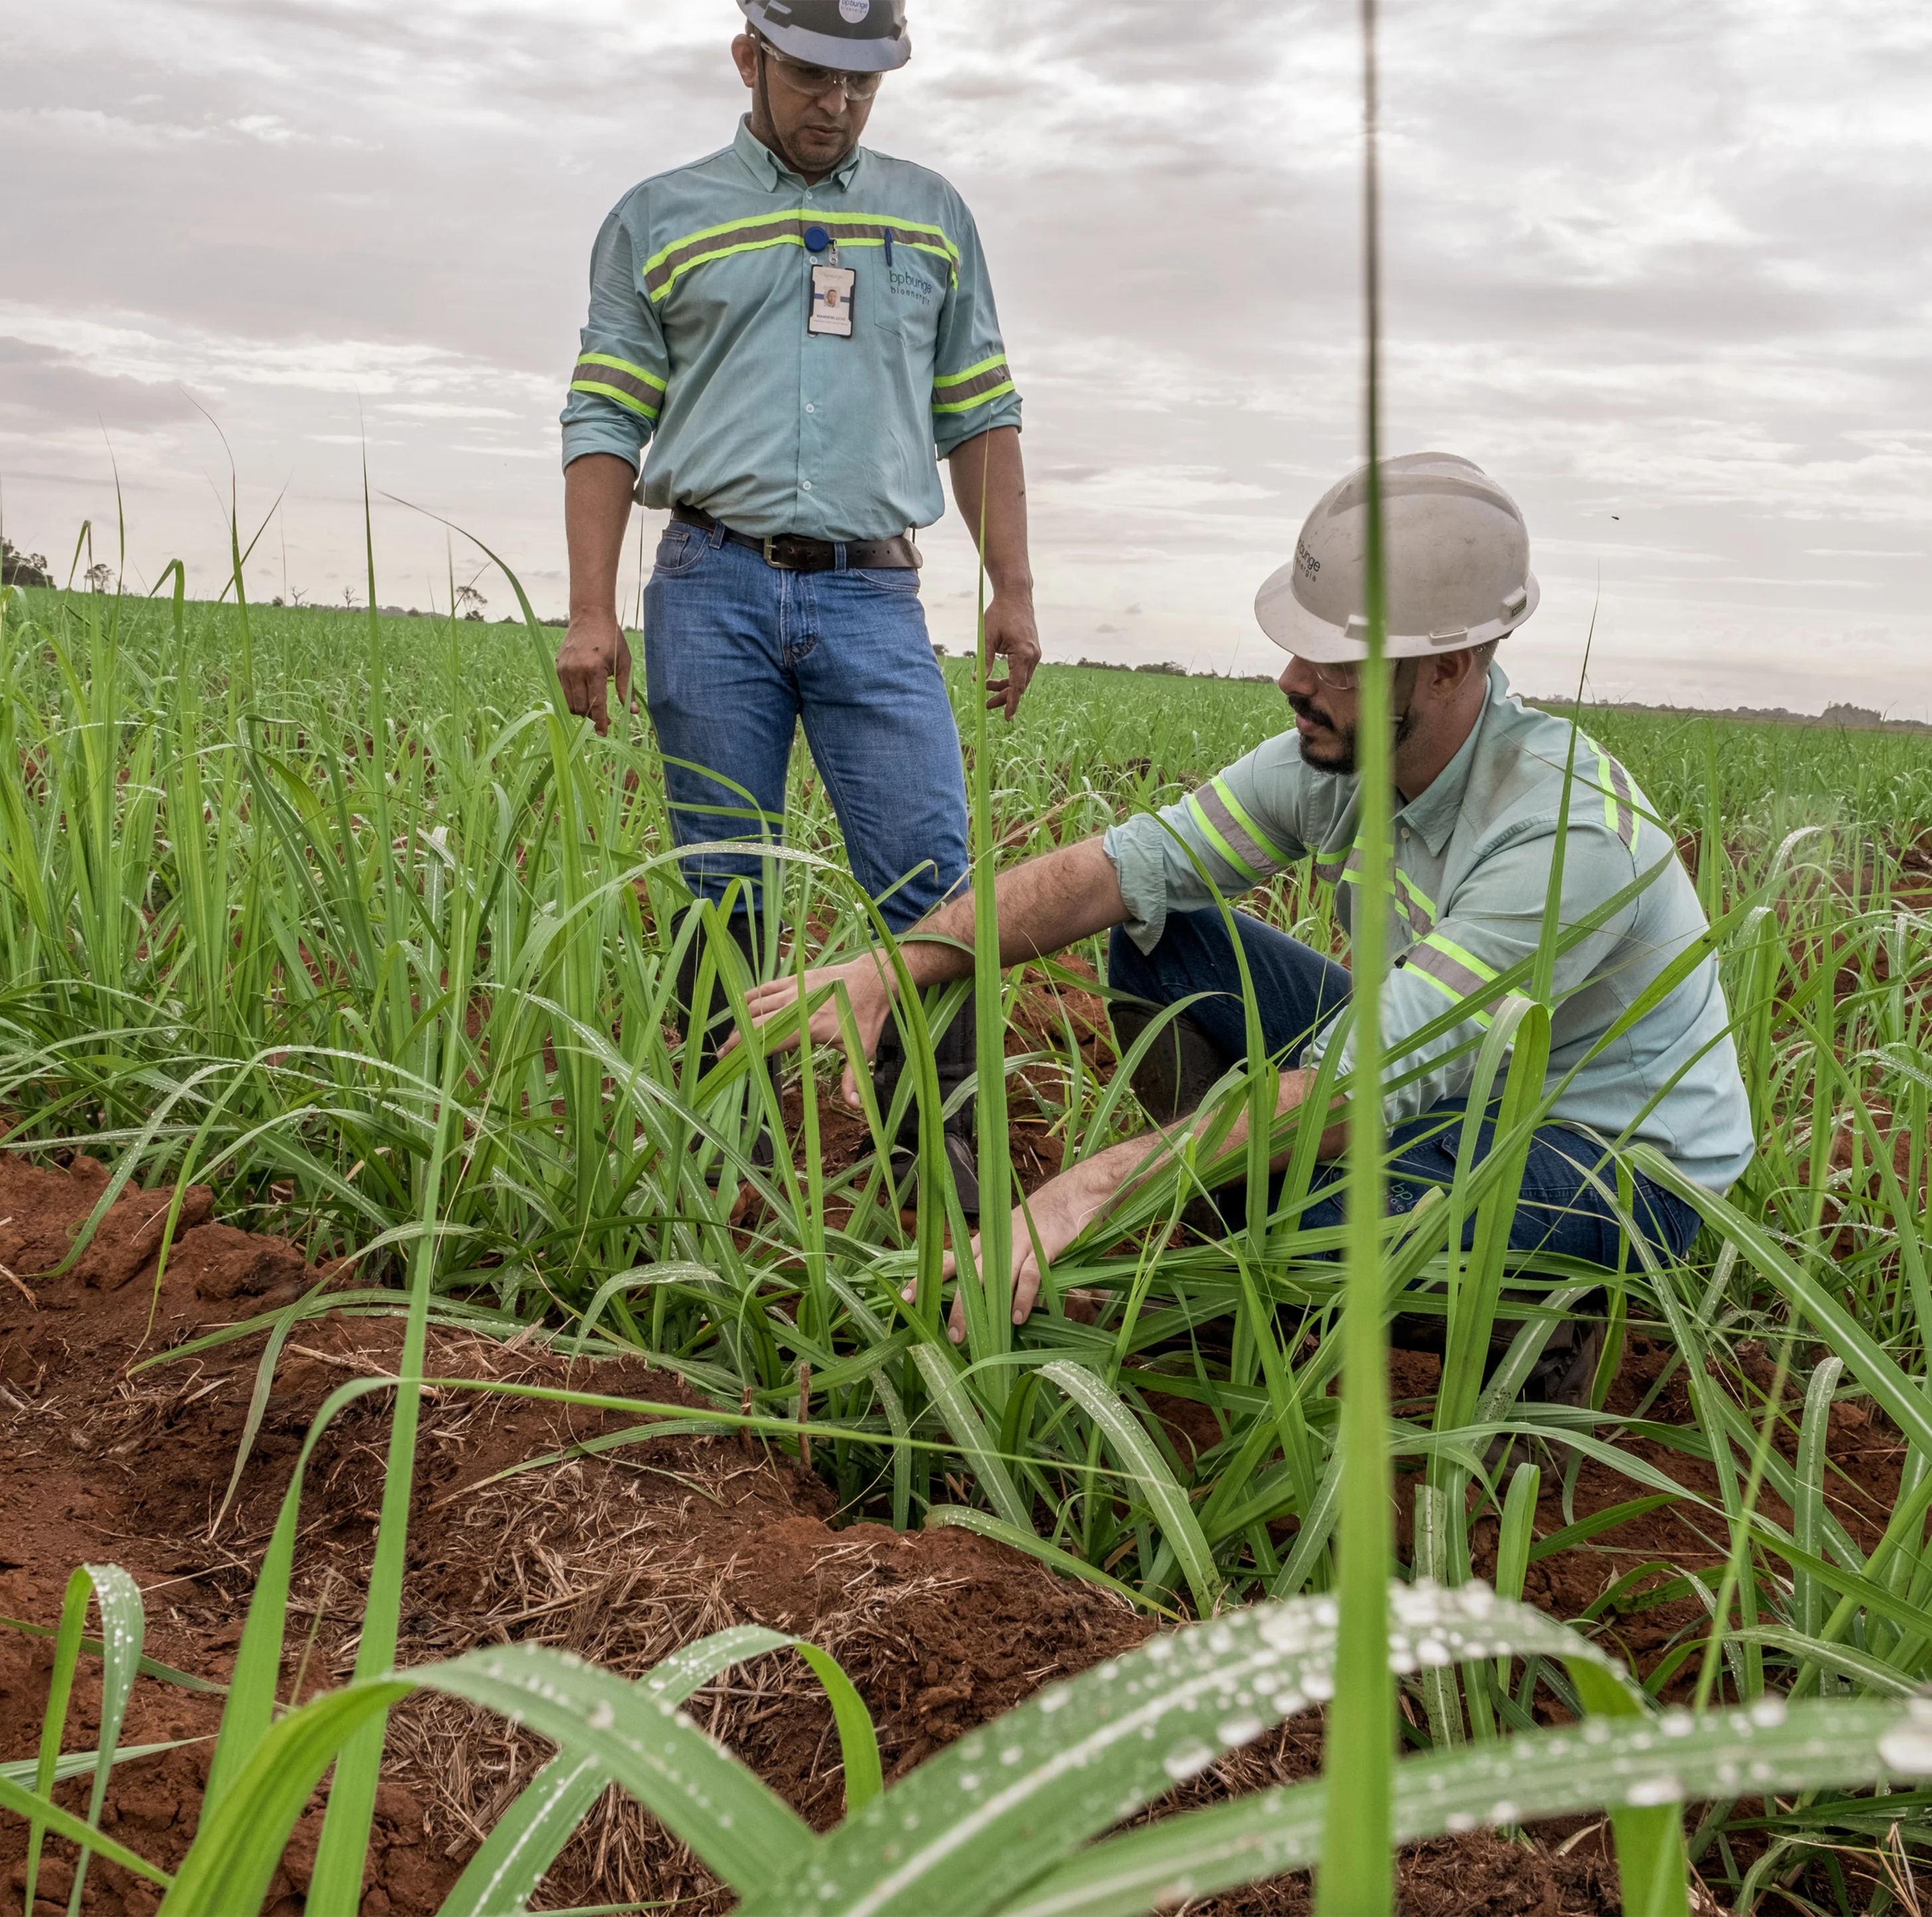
{"points": [[1187, 1761], [1655, 1790]]}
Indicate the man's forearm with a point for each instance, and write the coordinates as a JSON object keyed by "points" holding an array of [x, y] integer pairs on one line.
{"points": [[597, 491], [1044, 905], [989, 488]]}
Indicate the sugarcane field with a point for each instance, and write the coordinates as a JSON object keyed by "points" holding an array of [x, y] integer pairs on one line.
{"points": [[697, 1211]]}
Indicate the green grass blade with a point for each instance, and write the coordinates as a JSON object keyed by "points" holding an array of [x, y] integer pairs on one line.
{"points": [[969, 1828], [1137, 1457], [1649, 1764], [967, 1430]]}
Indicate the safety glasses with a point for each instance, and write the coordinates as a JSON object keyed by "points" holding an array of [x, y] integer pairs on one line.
{"points": [[814, 82]]}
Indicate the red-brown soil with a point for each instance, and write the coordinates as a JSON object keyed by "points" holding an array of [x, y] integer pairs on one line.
{"points": [[622, 1557]]}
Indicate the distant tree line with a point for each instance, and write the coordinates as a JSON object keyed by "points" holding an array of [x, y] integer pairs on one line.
{"points": [[20, 568]]}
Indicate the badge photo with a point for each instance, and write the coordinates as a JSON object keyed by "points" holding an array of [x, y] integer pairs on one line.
{"points": [[831, 289]]}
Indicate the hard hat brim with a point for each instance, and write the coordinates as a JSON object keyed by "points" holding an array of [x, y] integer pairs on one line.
{"points": [[872, 54], [1281, 615]]}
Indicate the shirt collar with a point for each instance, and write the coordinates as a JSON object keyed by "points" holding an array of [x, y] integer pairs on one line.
{"points": [[771, 172], [1434, 813]]}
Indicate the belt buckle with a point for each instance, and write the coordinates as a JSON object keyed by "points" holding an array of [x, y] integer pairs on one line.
{"points": [[771, 552]]}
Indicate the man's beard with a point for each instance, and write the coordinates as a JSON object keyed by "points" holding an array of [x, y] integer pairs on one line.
{"points": [[1336, 744]]}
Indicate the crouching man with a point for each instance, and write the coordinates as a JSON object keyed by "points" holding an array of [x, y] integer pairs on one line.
{"points": [[1479, 780]]}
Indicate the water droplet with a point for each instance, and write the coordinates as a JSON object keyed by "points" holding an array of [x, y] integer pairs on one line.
{"points": [[1012, 1754], [1319, 1685], [1459, 1821], [1768, 1713], [1433, 1654], [1241, 1730], [1160, 1650], [1055, 1699], [603, 1716], [1648, 1791], [1287, 1702], [1908, 1749], [1677, 1723], [1220, 1640], [970, 1781], [1188, 1760], [1503, 1812]]}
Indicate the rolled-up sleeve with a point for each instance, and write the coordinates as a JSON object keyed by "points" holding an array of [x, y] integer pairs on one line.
{"points": [[1233, 825], [618, 384], [1493, 923], [973, 389]]}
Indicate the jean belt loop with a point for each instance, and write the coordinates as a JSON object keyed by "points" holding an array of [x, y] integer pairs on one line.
{"points": [[839, 559], [716, 534]]}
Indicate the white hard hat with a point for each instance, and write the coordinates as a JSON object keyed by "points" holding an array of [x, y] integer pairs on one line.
{"points": [[848, 36], [1456, 560]]}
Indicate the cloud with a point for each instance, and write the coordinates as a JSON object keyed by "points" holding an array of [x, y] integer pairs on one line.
{"points": [[1660, 262]]}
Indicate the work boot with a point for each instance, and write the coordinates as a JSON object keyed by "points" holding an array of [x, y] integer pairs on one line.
{"points": [[717, 1026], [956, 1056], [1176, 1073]]}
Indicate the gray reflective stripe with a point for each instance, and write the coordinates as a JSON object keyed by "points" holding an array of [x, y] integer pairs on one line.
{"points": [[599, 376], [1420, 918], [670, 263], [964, 391], [1456, 978], [1249, 856]]}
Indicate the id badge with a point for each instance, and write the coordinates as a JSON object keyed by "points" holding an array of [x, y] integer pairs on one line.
{"points": [[832, 288]]}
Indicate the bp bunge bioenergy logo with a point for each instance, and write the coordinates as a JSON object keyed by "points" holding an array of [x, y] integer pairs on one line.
{"points": [[909, 285]]}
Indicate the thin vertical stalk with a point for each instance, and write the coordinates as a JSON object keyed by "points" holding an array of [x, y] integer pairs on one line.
{"points": [[1357, 1879], [995, 1329]]}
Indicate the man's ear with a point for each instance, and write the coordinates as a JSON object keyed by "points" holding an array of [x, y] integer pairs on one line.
{"points": [[745, 58]]}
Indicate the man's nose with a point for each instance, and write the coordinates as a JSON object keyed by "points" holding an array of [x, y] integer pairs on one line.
{"points": [[1297, 678]]}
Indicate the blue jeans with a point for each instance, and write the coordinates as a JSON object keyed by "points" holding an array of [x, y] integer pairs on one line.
{"points": [[1297, 989], [736, 653]]}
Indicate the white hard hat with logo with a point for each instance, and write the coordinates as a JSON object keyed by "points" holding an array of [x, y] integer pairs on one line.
{"points": [[1455, 559], [848, 36]]}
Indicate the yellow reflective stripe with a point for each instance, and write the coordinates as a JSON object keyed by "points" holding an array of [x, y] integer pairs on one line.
{"points": [[614, 378], [1414, 964], [1209, 832], [977, 386], [1620, 797], [1484, 974], [669, 264], [1268, 853]]}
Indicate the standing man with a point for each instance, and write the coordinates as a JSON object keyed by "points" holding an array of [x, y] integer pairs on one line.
{"points": [[797, 328]]}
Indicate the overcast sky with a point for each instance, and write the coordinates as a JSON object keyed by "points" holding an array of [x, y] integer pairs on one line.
{"points": [[1662, 268]]}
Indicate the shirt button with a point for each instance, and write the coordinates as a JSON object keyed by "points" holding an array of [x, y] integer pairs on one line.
{"points": [[807, 486], [809, 407]]}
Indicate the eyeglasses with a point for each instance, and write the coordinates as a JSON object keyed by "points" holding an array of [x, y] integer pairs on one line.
{"points": [[814, 82], [1344, 676]]}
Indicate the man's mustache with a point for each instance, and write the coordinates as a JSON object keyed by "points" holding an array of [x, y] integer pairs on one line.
{"points": [[1304, 707]]}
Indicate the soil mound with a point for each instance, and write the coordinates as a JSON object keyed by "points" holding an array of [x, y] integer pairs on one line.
{"points": [[622, 1556]]}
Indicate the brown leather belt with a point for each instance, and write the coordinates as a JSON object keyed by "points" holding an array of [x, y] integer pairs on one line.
{"points": [[793, 552]]}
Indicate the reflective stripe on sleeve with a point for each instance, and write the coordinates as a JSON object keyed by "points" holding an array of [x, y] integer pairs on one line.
{"points": [[1457, 974], [618, 380], [1233, 834], [1619, 795], [1619, 807], [961, 392], [669, 264]]}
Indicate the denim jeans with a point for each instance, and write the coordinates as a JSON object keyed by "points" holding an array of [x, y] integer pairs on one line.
{"points": [[736, 653], [1560, 1210]]}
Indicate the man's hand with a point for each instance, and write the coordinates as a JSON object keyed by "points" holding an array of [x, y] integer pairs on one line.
{"points": [[869, 984], [594, 652], [1060, 1211], [1011, 634]]}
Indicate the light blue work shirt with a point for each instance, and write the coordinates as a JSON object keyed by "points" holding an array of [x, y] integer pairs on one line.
{"points": [[700, 288], [1472, 866]]}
